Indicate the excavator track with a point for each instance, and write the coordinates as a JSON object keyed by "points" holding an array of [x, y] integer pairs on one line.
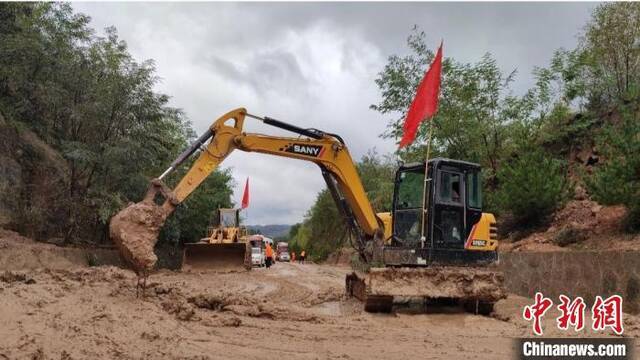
{"points": [[476, 289], [378, 304]]}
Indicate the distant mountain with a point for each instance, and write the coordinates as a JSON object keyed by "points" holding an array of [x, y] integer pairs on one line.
{"points": [[271, 231]]}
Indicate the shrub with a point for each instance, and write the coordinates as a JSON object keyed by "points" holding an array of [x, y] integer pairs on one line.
{"points": [[532, 187], [617, 181], [569, 235]]}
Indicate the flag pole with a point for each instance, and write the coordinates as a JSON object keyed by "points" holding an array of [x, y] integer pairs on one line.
{"points": [[423, 107], [426, 187]]}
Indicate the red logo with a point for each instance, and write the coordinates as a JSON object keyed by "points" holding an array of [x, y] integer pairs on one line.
{"points": [[572, 313], [606, 313], [536, 311]]}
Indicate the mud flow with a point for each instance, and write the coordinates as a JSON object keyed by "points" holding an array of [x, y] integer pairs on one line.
{"points": [[55, 306], [135, 231]]}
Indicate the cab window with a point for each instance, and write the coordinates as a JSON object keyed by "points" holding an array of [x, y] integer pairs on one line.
{"points": [[474, 190], [450, 188], [410, 188], [228, 218]]}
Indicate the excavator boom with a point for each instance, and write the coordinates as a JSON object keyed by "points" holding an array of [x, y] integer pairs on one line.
{"points": [[135, 229]]}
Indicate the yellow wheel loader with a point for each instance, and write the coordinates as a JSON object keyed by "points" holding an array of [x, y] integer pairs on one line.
{"points": [[435, 244], [224, 248]]}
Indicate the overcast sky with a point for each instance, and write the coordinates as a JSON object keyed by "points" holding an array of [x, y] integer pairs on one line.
{"points": [[314, 65]]}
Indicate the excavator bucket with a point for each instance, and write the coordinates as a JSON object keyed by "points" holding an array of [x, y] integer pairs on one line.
{"points": [[135, 231], [477, 289], [216, 256]]}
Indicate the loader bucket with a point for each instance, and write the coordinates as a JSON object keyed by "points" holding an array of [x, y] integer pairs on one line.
{"points": [[217, 256]]}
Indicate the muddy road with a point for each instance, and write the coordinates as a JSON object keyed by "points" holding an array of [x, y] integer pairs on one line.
{"points": [[289, 311]]}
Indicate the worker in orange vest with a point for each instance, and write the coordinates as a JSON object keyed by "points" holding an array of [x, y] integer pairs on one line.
{"points": [[302, 255], [269, 253], [293, 256]]}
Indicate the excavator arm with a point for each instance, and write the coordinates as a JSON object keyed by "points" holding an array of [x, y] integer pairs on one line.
{"points": [[326, 150]]}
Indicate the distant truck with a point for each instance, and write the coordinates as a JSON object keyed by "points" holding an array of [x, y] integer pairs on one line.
{"points": [[282, 251], [257, 250]]}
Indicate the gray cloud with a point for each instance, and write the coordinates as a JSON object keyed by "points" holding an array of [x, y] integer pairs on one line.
{"points": [[273, 70], [313, 64]]}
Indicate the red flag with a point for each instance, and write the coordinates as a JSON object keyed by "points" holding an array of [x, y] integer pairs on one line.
{"points": [[245, 196], [425, 104]]}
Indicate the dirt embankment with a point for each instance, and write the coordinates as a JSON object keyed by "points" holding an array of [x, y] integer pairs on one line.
{"points": [[21, 253], [31, 176], [580, 225], [341, 257]]}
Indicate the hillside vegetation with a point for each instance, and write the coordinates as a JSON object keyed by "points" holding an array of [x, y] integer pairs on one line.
{"points": [[82, 130], [576, 133]]}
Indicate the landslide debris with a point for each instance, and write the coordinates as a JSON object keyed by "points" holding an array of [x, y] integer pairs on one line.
{"points": [[583, 224], [183, 305], [16, 277]]}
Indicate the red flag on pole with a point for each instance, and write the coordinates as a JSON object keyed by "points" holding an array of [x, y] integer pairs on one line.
{"points": [[245, 196], [425, 104]]}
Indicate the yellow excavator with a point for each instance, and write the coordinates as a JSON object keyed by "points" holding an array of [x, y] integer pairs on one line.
{"points": [[225, 246], [435, 244]]}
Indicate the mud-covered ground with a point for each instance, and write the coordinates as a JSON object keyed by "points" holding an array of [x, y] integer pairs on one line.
{"points": [[53, 306], [288, 311]]}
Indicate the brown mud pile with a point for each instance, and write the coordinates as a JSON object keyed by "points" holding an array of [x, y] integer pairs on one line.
{"points": [[10, 277], [341, 257], [580, 224], [589, 215], [20, 253], [135, 231], [186, 304]]}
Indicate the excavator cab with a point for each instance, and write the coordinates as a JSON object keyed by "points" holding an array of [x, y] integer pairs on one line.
{"points": [[454, 229], [441, 244]]}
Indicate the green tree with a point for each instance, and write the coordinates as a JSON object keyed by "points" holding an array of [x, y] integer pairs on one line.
{"points": [[94, 104], [323, 229], [327, 229], [617, 181], [190, 220], [377, 173], [478, 118], [532, 186], [611, 43], [471, 116]]}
